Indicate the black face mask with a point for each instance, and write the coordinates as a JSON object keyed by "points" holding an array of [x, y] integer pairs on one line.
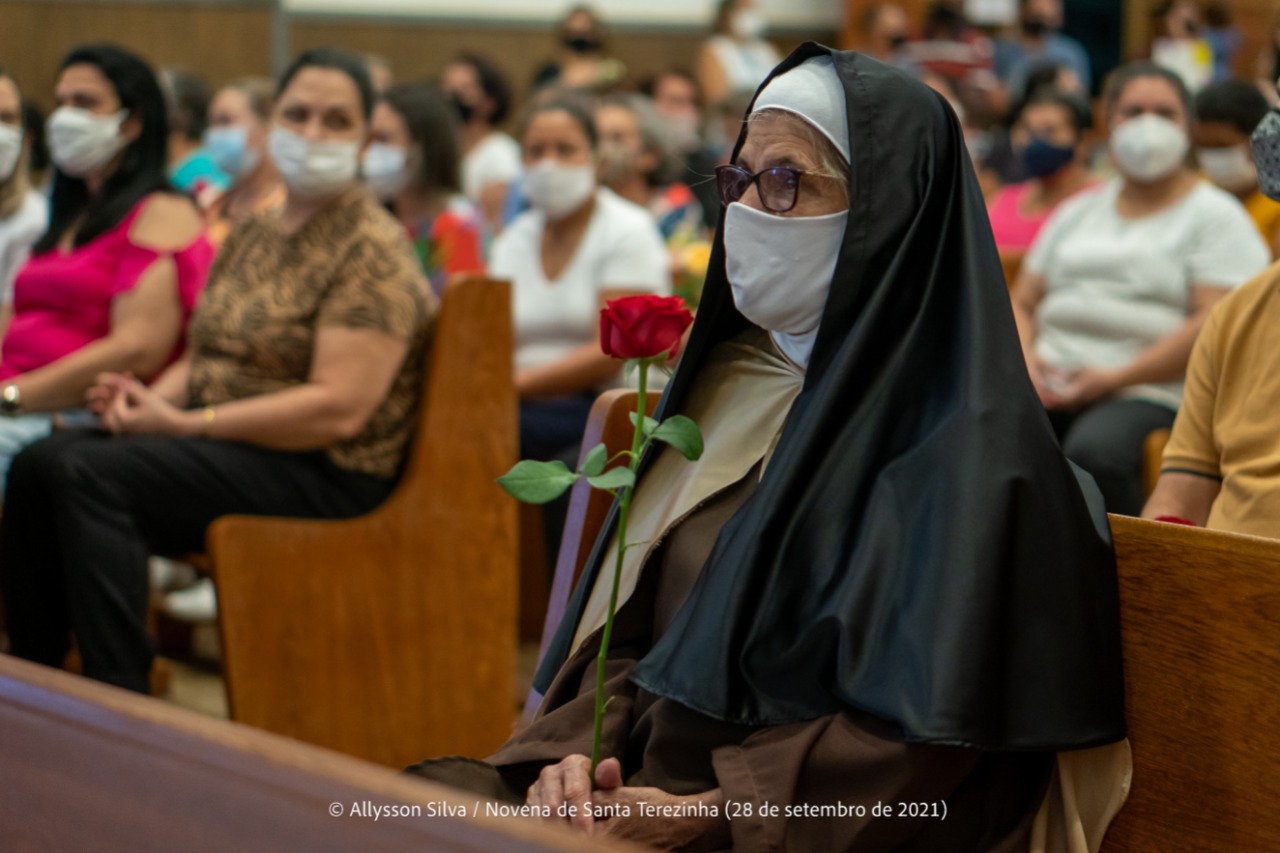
{"points": [[1035, 27], [582, 44], [465, 111]]}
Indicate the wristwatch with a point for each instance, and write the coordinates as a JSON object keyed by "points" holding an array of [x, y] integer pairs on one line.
{"points": [[10, 400]]}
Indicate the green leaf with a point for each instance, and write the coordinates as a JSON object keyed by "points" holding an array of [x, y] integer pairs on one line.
{"points": [[682, 434], [629, 369], [596, 459], [537, 482], [616, 478], [649, 424]]}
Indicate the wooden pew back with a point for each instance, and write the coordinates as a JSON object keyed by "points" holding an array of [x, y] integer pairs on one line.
{"points": [[1200, 613], [392, 636]]}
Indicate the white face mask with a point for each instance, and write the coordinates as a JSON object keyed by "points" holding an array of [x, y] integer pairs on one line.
{"points": [[10, 149], [1149, 147], [313, 169], [780, 270], [81, 142], [1230, 168], [228, 148], [748, 25], [558, 190], [385, 170]]}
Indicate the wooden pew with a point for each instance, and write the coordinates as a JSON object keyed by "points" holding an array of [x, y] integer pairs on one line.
{"points": [[393, 636], [1200, 615], [85, 767]]}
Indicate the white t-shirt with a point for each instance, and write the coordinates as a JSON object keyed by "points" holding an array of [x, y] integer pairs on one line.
{"points": [[620, 250], [495, 160], [1114, 286], [17, 233]]}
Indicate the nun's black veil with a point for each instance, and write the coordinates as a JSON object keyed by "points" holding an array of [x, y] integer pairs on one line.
{"points": [[918, 548]]}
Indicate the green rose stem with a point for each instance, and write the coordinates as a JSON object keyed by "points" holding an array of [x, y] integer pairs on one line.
{"points": [[624, 507]]}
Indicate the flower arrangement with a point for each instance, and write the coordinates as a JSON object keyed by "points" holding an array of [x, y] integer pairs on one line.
{"points": [[643, 331]]}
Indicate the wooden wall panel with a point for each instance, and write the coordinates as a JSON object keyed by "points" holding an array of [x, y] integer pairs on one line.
{"points": [[420, 50], [1254, 18], [226, 40], [220, 41]]}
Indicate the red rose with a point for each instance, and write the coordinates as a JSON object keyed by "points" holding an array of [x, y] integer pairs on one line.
{"points": [[643, 326]]}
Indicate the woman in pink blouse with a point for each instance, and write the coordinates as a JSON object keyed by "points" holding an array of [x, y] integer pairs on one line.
{"points": [[111, 283], [1051, 136]]}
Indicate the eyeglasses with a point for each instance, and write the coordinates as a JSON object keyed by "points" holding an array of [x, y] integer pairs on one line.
{"points": [[778, 186]]}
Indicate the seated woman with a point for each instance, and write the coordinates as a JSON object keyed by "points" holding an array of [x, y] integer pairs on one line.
{"points": [[579, 246], [296, 397], [1115, 288], [111, 283], [481, 94], [236, 141], [639, 164], [412, 166], [1051, 130], [882, 582], [24, 212]]}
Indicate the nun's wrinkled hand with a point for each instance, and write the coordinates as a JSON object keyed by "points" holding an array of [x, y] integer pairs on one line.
{"points": [[567, 783], [1088, 385]]}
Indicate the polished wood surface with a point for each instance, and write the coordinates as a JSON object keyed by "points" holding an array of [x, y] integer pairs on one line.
{"points": [[1011, 263], [84, 766], [392, 636], [1200, 612]]}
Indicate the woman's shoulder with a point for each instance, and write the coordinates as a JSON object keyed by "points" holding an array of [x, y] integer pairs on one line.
{"points": [[164, 222], [1207, 201]]}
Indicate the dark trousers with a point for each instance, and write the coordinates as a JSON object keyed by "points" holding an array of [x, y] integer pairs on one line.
{"points": [[84, 511], [1107, 441], [549, 430]]}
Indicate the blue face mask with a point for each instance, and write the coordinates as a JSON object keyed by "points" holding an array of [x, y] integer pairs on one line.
{"points": [[228, 148], [1043, 158]]}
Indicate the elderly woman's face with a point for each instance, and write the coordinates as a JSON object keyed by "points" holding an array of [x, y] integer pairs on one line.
{"points": [[775, 141]]}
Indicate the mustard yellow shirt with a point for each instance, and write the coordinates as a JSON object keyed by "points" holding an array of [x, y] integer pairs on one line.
{"points": [[1266, 215], [1229, 425]]}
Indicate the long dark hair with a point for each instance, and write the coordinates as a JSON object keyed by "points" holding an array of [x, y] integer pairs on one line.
{"points": [[433, 134], [142, 168]]}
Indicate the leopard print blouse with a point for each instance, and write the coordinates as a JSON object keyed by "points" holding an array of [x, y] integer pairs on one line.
{"points": [[351, 266]]}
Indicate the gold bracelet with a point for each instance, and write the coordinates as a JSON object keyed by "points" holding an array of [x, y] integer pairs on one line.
{"points": [[206, 426]]}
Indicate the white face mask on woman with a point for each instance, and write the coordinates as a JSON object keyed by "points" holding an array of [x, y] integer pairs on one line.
{"points": [[10, 149], [313, 169], [558, 190], [1230, 168], [81, 142], [780, 270], [1149, 147], [385, 170]]}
